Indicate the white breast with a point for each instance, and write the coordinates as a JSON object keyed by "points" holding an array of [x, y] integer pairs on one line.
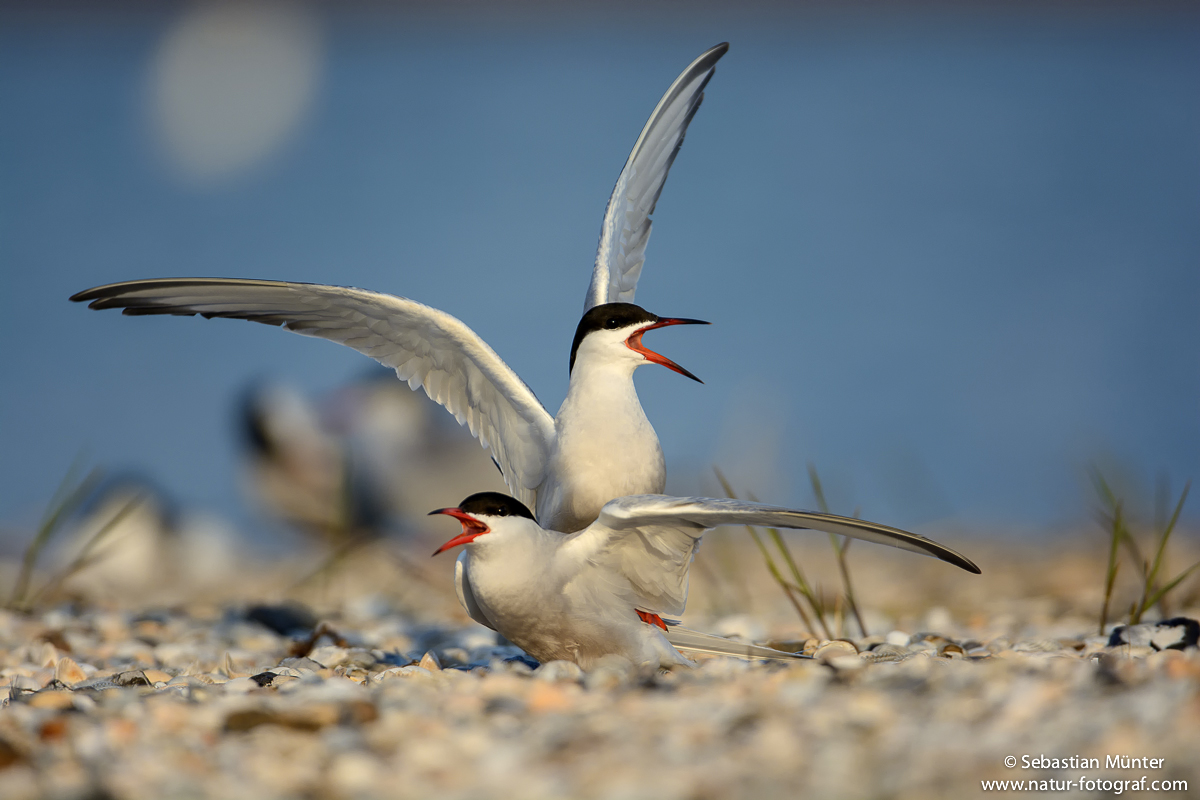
{"points": [[555, 607], [605, 448]]}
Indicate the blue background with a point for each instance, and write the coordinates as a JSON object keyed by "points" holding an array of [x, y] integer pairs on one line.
{"points": [[952, 257]]}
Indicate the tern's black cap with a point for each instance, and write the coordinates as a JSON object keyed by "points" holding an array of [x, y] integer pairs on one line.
{"points": [[494, 504], [611, 317]]}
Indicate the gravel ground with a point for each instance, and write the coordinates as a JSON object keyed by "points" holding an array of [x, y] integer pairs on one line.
{"points": [[234, 691]]}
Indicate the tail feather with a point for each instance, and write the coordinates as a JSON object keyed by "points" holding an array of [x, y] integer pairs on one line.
{"points": [[690, 641]]}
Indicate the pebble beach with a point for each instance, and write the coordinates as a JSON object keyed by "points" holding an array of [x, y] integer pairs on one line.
{"points": [[372, 684]]}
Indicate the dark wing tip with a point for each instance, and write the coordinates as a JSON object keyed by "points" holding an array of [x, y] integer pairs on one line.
{"points": [[124, 288], [100, 301], [932, 548], [87, 294], [951, 557], [708, 61], [715, 52], [112, 295], [938, 551], [709, 58]]}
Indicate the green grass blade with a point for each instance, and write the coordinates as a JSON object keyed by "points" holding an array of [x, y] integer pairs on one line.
{"points": [[839, 544], [818, 489], [767, 559], [85, 557], [1157, 596], [67, 497], [1162, 546], [1107, 496], [1114, 564], [814, 598]]}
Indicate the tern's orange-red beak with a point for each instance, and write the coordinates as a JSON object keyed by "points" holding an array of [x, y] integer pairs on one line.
{"points": [[471, 528], [634, 343]]}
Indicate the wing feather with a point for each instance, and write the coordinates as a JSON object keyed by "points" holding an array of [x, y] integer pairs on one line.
{"points": [[650, 540], [626, 227], [428, 348]]}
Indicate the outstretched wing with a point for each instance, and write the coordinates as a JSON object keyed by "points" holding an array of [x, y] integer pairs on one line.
{"points": [[626, 227], [427, 348], [650, 540]]}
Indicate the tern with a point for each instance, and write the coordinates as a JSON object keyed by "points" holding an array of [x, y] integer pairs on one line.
{"points": [[600, 445], [610, 588]]}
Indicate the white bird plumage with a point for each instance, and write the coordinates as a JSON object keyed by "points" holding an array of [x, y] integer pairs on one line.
{"points": [[599, 591], [627, 223], [433, 350], [601, 445]]}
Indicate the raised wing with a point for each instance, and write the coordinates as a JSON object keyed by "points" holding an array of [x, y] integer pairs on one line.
{"points": [[651, 539], [427, 348], [627, 223]]}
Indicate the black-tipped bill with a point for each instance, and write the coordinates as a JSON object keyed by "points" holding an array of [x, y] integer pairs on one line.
{"points": [[471, 528], [634, 343]]}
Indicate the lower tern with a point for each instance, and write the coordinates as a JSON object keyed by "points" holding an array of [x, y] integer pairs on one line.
{"points": [[600, 445], [610, 588]]}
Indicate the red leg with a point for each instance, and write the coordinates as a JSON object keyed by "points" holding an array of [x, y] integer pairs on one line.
{"points": [[652, 619]]}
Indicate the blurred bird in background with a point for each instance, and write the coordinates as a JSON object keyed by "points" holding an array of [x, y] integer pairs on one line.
{"points": [[355, 464], [119, 538]]}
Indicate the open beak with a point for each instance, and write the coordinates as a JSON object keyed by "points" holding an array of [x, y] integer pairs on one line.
{"points": [[471, 528], [634, 343]]}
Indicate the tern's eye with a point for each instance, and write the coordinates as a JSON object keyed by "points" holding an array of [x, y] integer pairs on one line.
{"points": [[501, 512], [610, 323]]}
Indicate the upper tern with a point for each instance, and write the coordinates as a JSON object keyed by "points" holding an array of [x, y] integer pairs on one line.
{"points": [[600, 445], [608, 588]]}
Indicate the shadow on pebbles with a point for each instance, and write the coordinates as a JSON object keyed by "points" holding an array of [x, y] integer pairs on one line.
{"points": [[268, 702]]}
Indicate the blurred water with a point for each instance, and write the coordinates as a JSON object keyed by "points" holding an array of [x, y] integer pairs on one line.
{"points": [[952, 257]]}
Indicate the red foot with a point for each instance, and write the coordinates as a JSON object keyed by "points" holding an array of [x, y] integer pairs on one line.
{"points": [[652, 619]]}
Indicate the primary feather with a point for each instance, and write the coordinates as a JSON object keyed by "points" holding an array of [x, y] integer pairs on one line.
{"points": [[426, 347], [627, 223], [650, 540]]}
